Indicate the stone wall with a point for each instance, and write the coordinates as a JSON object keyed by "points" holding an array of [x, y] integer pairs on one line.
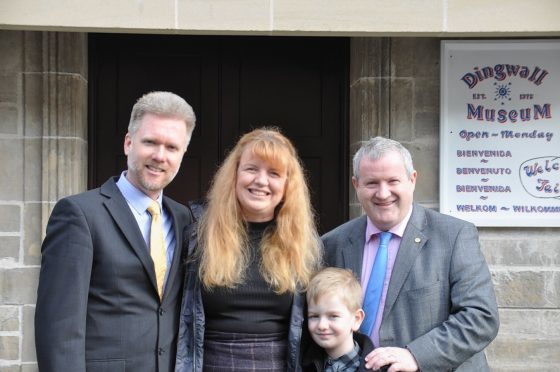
{"points": [[43, 147], [395, 92]]}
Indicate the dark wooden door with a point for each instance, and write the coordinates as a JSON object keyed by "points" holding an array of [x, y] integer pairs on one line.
{"points": [[234, 84]]}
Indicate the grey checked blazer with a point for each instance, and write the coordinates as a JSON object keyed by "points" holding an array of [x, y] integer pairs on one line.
{"points": [[440, 301]]}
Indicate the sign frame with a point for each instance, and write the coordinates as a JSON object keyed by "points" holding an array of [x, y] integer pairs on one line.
{"points": [[500, 132]]}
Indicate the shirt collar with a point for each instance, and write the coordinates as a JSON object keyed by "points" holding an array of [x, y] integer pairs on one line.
{"points": [[398, 229], [344, 362], [135, 198]]}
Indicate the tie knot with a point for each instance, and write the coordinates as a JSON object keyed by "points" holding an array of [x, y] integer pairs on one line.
{"points": [[154, 209], [384, 237]]}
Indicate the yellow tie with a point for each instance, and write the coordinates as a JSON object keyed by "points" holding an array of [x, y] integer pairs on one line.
{"points": [[157, 246]]}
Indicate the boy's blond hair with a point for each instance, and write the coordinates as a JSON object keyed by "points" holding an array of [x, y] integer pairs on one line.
{"points": [[335, 281]]}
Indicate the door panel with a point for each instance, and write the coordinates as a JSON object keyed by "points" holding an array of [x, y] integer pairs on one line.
{"points": [[234, 84]]}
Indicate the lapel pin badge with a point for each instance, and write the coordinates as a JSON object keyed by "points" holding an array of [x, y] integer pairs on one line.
{"points": [[417, 240]]}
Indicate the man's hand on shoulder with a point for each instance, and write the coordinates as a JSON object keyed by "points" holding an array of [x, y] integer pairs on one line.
{"points": [[395, 358]]}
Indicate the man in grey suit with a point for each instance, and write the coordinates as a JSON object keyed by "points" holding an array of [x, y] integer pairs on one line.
{"points": [[438, 309], [99, 304]]}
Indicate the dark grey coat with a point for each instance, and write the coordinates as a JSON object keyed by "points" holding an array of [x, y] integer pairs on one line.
{"points": [[98, 307]]}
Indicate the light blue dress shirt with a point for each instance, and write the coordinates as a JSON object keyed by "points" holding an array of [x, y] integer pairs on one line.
{"points": [[139, 203]]}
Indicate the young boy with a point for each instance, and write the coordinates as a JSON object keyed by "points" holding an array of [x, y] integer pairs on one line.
{"points": [[334, 299]]}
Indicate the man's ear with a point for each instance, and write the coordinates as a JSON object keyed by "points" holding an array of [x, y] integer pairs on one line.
{"points": [[359, 316], [413, 176], [127, 143]]}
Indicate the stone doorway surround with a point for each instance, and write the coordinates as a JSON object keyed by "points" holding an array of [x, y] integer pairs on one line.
{"points": [[394, 91], [44, 127]]}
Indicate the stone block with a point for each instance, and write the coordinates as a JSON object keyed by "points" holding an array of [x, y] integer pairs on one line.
{"points": [[11, 176], [90, 14], [9, 86], [426, 96], [369, 109], [530, 248], [425, 155], [416, 57], [536, 233], [9, 347], [33, 51], [33, 170], [402, 109], [55, 105], [31, 367], [11, 50], [34, 232], [523, 367], [8, 119], [10, 216], [10, 249], [537, 18], [426, 109], [70, 52], [357, 16], [34, 103], [240, 15], [11, 368], [530, 323], [64, 52], [426, 125], [9, 318], [527, 288], [67, 115], [18, 286], [358, 113], [69, 154], [530, 353], [369, 57], [28, 352]]}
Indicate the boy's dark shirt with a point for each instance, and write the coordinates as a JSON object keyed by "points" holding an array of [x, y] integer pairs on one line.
{"points": [[348, 362], [314, 356]]}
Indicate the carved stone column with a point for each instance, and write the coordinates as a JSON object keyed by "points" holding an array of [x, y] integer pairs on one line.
{"points": [[43, 146]]}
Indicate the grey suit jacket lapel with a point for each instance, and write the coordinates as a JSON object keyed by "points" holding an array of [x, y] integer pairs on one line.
{"points": [[353, 255], [411, 244], [120, 211]]}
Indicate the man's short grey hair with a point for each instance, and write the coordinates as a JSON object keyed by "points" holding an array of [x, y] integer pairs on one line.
{"points": [[378, 147], [164, 104]]}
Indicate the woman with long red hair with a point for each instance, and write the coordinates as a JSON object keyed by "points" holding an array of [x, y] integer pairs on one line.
{"points": [[253, 251]]}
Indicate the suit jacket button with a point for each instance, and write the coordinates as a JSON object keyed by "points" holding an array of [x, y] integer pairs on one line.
{"points": [[161, 312], [161, 351]]}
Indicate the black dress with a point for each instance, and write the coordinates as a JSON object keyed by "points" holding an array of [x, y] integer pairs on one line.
{"points": [[247, 326]]}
